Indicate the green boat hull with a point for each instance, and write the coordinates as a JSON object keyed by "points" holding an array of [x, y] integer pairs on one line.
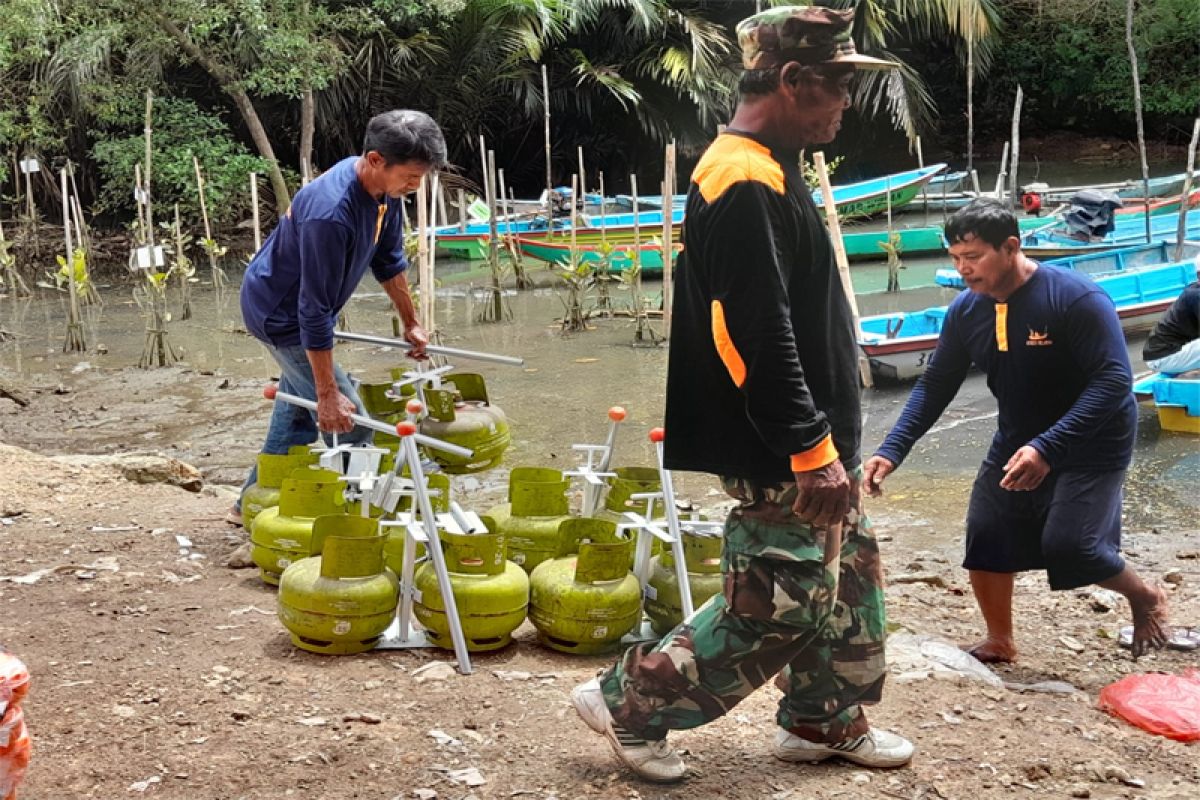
{"points": [[590, 251]]}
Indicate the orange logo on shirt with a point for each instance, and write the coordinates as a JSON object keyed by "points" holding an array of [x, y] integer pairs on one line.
{"points": [[1037, 339]]}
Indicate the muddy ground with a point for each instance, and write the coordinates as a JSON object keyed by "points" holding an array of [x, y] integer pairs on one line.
{"points": [[159, 672]]}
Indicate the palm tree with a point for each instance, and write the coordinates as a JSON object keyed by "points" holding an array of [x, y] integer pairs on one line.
{"points": [[883, 27]]}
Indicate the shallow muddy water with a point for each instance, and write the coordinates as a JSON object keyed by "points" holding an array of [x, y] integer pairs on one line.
{"points": [[558, 398]]}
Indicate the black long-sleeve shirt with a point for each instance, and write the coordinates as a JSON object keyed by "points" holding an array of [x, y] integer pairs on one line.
{"points": [[762, 375], [1055, 359], [1180, 325]]}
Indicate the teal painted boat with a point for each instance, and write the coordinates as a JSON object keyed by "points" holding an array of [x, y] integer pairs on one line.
{"points": [[617, 252], [1119, 260], [860, 199], [899, 345], [915, 241]]}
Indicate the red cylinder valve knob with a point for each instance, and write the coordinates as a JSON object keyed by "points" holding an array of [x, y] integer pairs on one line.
{"points": [[658, 434], [616, 414], [414, 407], [270, 390], [406, 428]]}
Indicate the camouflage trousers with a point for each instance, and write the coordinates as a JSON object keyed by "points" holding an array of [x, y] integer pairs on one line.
{"points": [[798, 601]]}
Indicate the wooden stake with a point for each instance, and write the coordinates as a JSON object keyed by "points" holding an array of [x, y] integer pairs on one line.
{"points": [[839, 252], [1002, 174], [74, 341], [924, 196], [424, 262], [971, 97], [462, 210], [1181, 231], [1137, 108], [549, 178], [1014, 165], [253, 212], [668, 232], [582, 182], [146, 186], [603, 224]]}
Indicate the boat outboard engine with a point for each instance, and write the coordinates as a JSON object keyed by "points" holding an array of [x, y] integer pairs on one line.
{"points": [[1091, 214]]}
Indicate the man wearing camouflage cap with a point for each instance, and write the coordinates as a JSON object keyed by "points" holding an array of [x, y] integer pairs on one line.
{"points": [[763, 391]]}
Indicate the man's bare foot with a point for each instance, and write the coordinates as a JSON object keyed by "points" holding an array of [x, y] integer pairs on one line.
{"points": [[994, 651], [1149, 621]]}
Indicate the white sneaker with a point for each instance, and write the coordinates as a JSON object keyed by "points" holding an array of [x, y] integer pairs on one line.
{"points": [[652, 759], [876, 748]]}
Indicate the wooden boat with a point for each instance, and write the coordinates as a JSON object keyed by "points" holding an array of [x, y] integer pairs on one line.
{"points": [[1177, 401], [473, 243], [1130, 230], [1127, 189], [1119, 260], [915, 241], [860, 199], [899, 345], [616, 249], [946, 183]]}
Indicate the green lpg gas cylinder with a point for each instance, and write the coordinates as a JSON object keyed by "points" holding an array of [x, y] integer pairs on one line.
{"points": [[627, 482], [340, 601], [585, 602], [377, 399], [463, 416], [702, 555], [537, 505], [491, 592], [439, 499], [272, 469], [283, 533]]}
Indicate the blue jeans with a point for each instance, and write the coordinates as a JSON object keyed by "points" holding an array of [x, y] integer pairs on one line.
{"points": [[292, 425]]}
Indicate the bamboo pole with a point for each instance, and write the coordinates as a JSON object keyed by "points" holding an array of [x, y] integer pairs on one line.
{"points": [[424, 265], [603, 224], [1181, 230], [582, 182], [1002, 174], [1137, 108], [146, 181], [924, 196], [74, 341], [971, 97], [1014, 165], [253, 209], [549, 177], [462, 210], [668, 234], [839, 252]]}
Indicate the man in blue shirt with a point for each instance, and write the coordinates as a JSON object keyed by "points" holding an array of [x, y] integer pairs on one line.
{"points": [[1048, 495], [348, 219]]}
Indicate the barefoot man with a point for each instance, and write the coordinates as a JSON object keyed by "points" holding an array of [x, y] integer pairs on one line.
{"points": [[1048, 495]]}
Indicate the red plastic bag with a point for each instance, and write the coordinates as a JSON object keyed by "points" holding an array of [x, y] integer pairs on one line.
{"points": [[1168, 705]]}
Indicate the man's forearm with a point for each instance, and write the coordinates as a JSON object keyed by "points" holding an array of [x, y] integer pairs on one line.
{"points": [[397, 290], [322, 369]]}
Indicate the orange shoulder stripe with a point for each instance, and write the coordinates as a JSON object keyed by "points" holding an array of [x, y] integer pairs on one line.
{"points": [[733, 159]]}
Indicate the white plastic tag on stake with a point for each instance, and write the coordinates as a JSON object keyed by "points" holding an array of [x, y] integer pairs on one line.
{"points": [[144, 257], [29, 165]]}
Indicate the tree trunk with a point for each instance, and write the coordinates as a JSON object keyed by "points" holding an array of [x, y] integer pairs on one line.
{"points": [[971, 99], [1137, 107], [227, 78]]}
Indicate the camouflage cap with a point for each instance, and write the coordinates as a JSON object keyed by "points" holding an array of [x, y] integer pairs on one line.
{"points": [[809, 35]]}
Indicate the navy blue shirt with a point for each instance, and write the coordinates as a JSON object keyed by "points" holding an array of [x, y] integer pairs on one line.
{"points": [[1056, 362], [297, 284]]}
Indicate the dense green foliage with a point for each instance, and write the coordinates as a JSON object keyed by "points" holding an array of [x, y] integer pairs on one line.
{"points": [[256, 76], [181, 131]]}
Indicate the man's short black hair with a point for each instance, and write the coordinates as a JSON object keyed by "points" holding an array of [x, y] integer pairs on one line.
{"points": [[758, 81], [983, 218], [406, 135]]}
